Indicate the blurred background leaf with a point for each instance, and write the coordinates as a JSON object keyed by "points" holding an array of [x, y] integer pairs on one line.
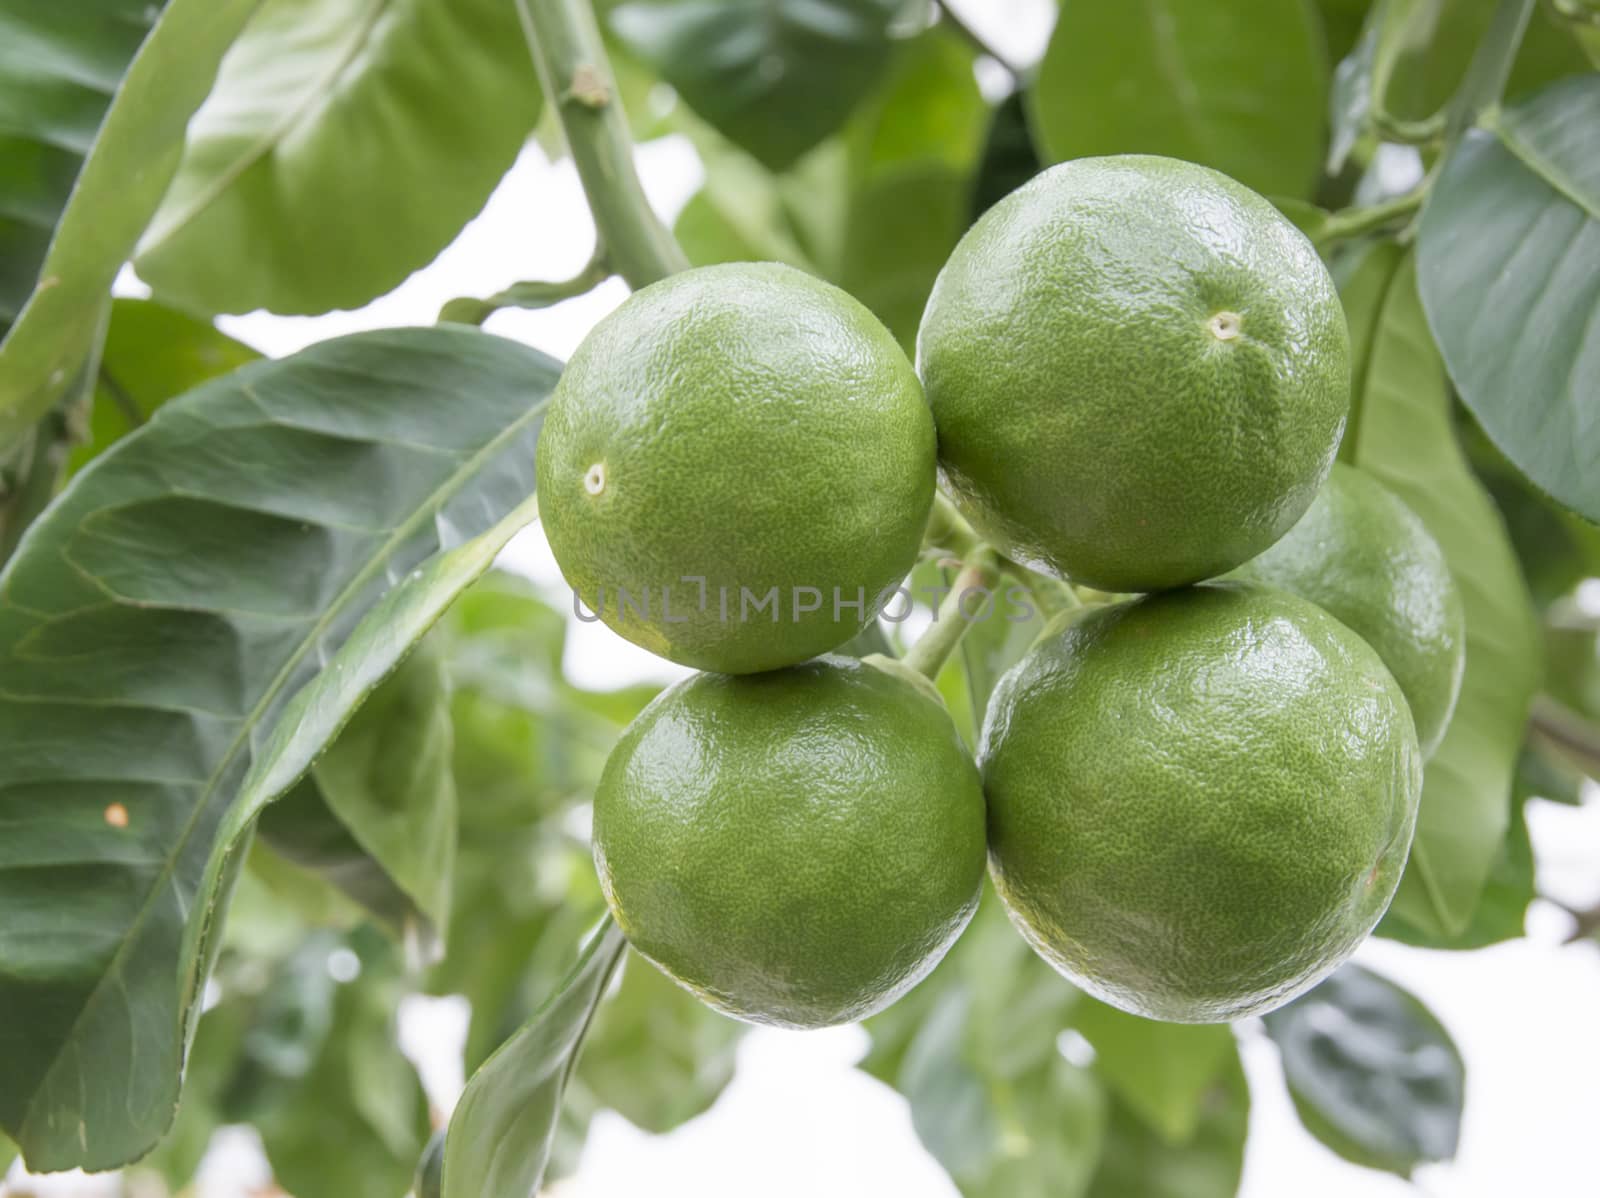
{"points": [[1240, 87], [1373, 1074]]}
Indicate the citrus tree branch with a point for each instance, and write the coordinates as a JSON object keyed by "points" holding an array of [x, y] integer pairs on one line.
{"points": [[572, 65], [952, 620], [1574, 737], [1354, 222], [538, 293], [1490, 68]]}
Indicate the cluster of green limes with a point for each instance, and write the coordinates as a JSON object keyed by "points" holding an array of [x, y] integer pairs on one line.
{"points": [[1132, 374]]}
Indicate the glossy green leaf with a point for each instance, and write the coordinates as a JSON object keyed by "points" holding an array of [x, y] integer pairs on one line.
{"points": [[359, 1094], [499, 1139], [88, 144], [377, 814], [8, 1153], [1509, 264], [1160, 1071], [1239, 87], [346, 143], [151, 354], [1208, 1164], [774, 76], [1372, 1073], [1401, 431], [212, 564], [657, 1054]]}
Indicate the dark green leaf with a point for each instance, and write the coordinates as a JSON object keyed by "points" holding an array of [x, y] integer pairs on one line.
{"points": [[657, 1054], [211, 564], [1509, 265], [1208, 1165], [312, 177], [775, 76], [377, 814], [151, 355], [1341, 24], [1372, 1073], [213, 1059], [499, 1139], [1009, 158], [1401, 431], [1159, 1071], [1239, 87], [89, 144]]}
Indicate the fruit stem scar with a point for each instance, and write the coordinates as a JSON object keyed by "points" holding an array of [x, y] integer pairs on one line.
{"points": [[594, 481], [1225, 326]]}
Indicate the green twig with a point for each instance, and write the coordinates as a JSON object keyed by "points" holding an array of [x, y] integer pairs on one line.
{"points": [[1490, 68], [952, 620], [572, 64], [1567, 732], [1355, 222], [538, 293]]}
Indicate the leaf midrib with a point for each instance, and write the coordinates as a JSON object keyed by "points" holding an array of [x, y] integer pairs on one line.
{"points": [[1548, 173], [267, 143], [427, 511]]}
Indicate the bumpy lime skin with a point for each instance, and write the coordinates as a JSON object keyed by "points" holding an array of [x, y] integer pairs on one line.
{"points": [[1139, 371], [754, 428], [1199, 802], [797, 848], [1362, 555]]}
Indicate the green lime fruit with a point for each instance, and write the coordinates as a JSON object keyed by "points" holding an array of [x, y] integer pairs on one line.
{"points": [[736, 468], [797, 848], [1139, 371], [1200, 802], [1365, 557]]}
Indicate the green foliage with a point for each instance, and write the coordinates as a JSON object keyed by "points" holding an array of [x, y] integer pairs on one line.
{"points": [[133, 771], [89, 139], [376, 816], [775, 76], [1510, 242], [312, 176], [260, 600], [1134, 1160], [151, 354], [1169, 77], [514, 1101], [1372, 1073], [1402, 432]]}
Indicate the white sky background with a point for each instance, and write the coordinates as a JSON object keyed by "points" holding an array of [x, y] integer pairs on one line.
{"points": [[798, 1120]]}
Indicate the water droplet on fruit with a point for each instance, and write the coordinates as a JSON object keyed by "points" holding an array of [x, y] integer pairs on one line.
{"points": [[595, 480], [1225, 326]]}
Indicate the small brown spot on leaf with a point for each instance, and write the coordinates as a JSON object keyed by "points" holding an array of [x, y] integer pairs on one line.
{"points": [[117, 815]]}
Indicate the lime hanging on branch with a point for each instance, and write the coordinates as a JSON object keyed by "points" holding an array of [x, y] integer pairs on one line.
{"points": [[1139, 370], [737, 467]]}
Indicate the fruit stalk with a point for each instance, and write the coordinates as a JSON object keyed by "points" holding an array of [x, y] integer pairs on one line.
{"points": [[576, 75], [951, 621]]}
